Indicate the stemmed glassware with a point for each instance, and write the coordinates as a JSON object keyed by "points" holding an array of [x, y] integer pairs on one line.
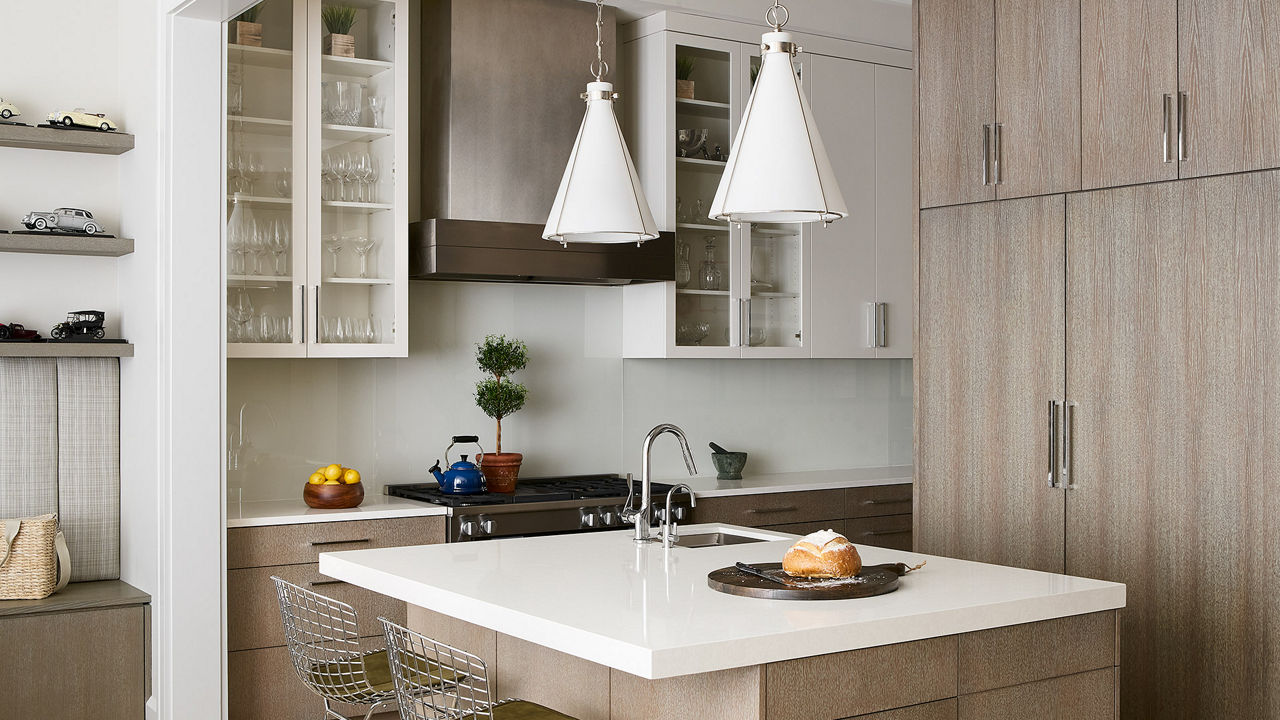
{"points": [[710, 277], [362, 244], [363, 170], [240, 311], [251, 170], [284, 180], [378, 110], [278, 242], [333, 245]]}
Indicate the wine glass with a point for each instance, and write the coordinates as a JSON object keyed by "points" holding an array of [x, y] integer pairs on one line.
{"points": [[364, 172], [375, 171], [351, 175], [279, 244], [333, 245], [327, 176], [378, 110], [362, 245], [283, 181], [252, 170], [240, 310]]}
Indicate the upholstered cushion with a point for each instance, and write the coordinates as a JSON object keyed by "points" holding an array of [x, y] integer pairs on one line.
{"points": [[525, 710], [344, 680]]}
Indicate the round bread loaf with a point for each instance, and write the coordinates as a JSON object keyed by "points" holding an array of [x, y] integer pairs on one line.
{"points": [[823, 554]]}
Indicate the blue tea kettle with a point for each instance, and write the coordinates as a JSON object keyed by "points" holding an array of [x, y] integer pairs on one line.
{"points": [[462, 477]]}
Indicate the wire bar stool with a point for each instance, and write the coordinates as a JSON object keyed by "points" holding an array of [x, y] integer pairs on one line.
{"points": [[324, 645], [435, 681]]}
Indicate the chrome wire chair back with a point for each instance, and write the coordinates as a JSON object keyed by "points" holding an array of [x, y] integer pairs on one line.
{"points": [[435, 681], [324, 645]]}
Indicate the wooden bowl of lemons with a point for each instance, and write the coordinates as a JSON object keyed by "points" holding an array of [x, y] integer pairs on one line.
{"points": [[333, 487]]}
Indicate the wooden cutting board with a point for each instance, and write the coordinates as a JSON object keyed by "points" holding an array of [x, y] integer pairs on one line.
{"points": [[873, 580]]}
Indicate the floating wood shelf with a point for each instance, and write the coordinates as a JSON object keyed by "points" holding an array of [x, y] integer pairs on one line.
{"points": [[42, 244], [86, 141], [65, 349]]}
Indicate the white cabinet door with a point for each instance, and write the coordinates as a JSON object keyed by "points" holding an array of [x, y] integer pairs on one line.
{"points": [[843, 290], [894, 210]]}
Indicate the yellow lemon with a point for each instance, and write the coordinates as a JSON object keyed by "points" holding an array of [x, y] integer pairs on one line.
{"points": [[316, 478], [333, 472], [331, 482], [351, 477], [320, 470]]}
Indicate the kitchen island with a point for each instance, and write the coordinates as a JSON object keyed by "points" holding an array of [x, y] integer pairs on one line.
{"points": [[598, 627]]}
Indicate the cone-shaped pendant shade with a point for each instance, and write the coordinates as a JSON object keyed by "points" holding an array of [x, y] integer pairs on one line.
{"points": [[600, 199], [778, 169]]}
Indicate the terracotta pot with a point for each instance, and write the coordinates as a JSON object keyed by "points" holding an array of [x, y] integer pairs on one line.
{"points": [[333, 497], [247, 33], [684, 89], [501, 471], [339, 45]]}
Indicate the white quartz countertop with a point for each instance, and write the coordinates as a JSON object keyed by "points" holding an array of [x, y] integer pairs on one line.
{"points": [[295, 512], [753, 484], [648, 611]]}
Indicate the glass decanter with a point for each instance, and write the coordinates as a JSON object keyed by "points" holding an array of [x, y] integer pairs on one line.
{"points": [[684, 272], [709, 277]]}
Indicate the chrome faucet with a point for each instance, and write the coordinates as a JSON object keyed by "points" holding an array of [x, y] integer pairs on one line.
{"points": [[643, 515], [669, 536]]}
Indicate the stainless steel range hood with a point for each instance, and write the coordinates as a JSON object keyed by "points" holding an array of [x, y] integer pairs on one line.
{"points": [[499, 109]]}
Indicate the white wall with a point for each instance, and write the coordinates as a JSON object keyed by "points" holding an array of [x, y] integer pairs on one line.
{"points": [[588, 409]]}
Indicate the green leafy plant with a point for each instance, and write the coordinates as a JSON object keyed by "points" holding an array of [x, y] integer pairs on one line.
{"points": [[250, 15], [684, 68], [499, 396], [338, 20], [755, 71]]}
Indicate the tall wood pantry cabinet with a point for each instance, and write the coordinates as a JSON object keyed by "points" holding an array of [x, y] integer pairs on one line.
{"points": [[1150, 312]]}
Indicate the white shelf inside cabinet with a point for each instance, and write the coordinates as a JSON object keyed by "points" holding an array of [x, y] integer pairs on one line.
{"points": [[357, 207], [700, 164], [702, 227], [691, 291], [260, 56], [259, 126], [775, 232], [264, 201], [775, 295], [353, 67], [352, 133], [273, 279], [358, 281], [702, 108]]}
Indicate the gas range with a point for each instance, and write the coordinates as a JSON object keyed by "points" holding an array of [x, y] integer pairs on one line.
{"points": [[540, 506]]}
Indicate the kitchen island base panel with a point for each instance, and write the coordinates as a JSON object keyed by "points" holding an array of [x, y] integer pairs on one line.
{"points": [[1055, 669]]}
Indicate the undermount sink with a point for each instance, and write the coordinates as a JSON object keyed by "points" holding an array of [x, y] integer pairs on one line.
{"points": [[715, 539]]}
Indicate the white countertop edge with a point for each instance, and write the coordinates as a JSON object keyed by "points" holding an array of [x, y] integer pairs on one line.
{"points": [[378, 509], [710, 657]]}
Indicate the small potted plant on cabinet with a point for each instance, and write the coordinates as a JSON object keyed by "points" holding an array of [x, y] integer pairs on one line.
{"points": [[248, 31], [499, 397], [684, 77], [339, 21]]}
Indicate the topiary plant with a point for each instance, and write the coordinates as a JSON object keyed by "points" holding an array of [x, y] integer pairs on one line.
{"points": [[684, 67], [250, 15], [499, 396], [338, 20]]}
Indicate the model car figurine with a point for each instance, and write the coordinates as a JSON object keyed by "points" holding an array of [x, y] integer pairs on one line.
{"points": [[81, 323], [17, 332], [8, 109], [79, 117], [67, 220]]}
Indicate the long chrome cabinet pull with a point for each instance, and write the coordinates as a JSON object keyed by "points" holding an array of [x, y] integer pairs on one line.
{"points": [[1066, 475], [302, 293], [986, 154], [882, 321], [1183, 101], [1168, 127], [1054, 416], [744, 322], [317, 318], [873, 324], [998, 153]]}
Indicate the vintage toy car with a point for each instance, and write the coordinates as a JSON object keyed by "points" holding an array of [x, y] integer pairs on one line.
{"points": [[80, 117], [8, 109], [15, 331], [68, 220], [81, 323]]}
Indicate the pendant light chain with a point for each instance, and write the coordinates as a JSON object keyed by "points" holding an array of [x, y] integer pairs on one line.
{"points": [[600, 68], [777, 16]]}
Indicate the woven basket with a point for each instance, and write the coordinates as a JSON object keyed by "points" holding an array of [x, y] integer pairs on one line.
{"points": [[31, 570]]}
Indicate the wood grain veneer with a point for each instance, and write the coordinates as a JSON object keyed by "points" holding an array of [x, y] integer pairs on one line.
{"points": [[1229, 64], [990, 356], [862, 681], [479, 641], [1017, 654], [736, 693], [878, 500], [1174, 295], [297, 544], [79, 596], [571, 685], [772, 508], [262, 684], [890, 531], [1085, 696], [1128, 63], [940, 710], [1037, 96], [956, 74]]}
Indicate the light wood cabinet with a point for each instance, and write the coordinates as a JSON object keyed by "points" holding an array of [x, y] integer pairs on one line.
{"points": [[991, 356]]}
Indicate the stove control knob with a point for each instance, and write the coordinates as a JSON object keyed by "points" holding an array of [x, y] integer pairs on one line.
{"points": [[610, 517], [660, 514], [467, 528], [486, 526], [589, 519], [679, 512]]}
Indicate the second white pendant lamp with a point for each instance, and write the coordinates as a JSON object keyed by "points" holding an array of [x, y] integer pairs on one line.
{"points": [[778, 170], [600, 199]]}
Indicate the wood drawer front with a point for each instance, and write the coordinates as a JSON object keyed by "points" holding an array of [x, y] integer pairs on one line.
{"points": [[879, 500], [74, 665], [297, 544], [1017, 654], [262, 684], [848, 684], [772, 508], [1085, 696], [253, 612], [889, 531], [940, 710]]}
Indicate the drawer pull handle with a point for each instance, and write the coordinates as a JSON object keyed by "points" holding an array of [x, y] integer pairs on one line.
{"points": [[762, 511], [339, 542], [318, 583], [886, 502], [874, 533]]}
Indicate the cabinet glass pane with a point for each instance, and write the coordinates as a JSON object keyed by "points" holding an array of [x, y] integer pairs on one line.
{"points": [[264, 272], [703, 304], [776, 267]]}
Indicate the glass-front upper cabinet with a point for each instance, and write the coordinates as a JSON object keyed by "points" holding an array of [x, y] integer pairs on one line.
{"points": [[332, 134]]}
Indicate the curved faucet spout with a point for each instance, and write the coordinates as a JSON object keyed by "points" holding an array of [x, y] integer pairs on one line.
{"points": [[644, 515]]}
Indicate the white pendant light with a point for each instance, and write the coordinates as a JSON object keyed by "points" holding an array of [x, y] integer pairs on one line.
{"points": [[600, 198], [778, 170]]}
